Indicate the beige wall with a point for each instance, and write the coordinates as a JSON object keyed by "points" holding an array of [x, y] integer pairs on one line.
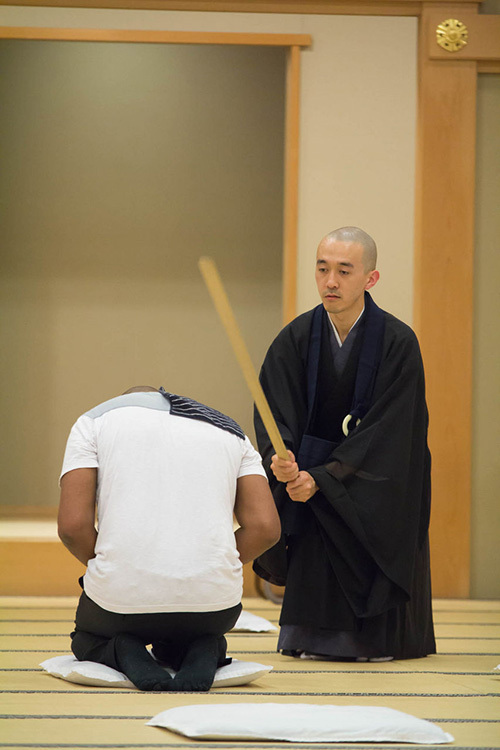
{"points": [[358, 146], [357, 140], [485, 520]]}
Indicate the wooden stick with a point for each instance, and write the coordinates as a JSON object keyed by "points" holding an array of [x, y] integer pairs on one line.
{"points": [[214, 284]]}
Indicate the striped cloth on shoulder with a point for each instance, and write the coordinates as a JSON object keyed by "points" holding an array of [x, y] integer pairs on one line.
{"points": [[182, 406]]}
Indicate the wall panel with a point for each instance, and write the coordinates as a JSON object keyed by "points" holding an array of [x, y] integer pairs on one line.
{"points": [[485, 512], [123, 164]]}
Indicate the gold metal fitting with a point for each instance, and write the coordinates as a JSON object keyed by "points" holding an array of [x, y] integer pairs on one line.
{"points": [[452, 35]]}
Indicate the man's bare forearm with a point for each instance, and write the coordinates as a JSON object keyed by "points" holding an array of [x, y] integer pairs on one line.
{"points": [[81, 546], [252, 542], [76, 518], [257, 516]]}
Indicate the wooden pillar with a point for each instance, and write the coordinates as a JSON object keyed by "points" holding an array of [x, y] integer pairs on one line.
{"points": [[444, 255], [291, 188]]}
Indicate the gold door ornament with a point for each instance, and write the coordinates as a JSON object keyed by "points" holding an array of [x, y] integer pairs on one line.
{"points": [[452, 35]]}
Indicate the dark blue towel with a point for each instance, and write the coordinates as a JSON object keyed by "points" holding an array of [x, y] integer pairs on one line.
{"points": [[186, 407]]}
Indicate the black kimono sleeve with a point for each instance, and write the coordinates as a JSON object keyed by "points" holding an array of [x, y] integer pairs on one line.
{"points": [[283, 379]]}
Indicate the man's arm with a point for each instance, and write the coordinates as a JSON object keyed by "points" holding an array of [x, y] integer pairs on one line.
{"points": [[76, 519], [257, 516]]}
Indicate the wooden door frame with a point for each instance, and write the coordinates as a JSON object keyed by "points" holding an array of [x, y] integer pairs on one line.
{"points": [[293, 42], [444, 270]]}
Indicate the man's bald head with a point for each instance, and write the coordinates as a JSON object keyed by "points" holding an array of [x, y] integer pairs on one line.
{"points": [[140, 389], [357, 235]]}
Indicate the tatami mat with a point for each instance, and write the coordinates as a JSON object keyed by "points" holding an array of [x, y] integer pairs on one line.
{"points": [[457, 688]]}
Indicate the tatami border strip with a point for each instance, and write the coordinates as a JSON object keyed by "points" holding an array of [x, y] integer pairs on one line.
{"points": [[495, 654], [267, 694], [230, 744], [253, 635], [488, 673], [464, 721], [273, 621], [112, 717]]}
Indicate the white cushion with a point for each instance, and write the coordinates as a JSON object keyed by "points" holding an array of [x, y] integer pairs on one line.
{"points": [[299, 722], [90, 673], [239, 673], [253, 624], [68, 668]]}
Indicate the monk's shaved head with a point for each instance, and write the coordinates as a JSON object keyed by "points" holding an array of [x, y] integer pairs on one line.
{"points": [[355, 234]]}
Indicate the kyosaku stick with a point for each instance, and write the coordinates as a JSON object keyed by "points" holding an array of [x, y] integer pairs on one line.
{"points": [[214, 284]]}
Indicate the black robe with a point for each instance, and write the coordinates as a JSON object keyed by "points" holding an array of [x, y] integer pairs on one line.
{"points": [[355, 557]]}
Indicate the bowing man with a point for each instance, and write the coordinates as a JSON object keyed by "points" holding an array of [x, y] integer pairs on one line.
{"points": [[164, 565]]}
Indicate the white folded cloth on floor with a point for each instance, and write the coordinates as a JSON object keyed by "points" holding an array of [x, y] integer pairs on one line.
{"points": [[299, 722], [253, 624]]}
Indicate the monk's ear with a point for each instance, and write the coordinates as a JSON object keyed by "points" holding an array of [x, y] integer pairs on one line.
{"points": [[373, 277]]}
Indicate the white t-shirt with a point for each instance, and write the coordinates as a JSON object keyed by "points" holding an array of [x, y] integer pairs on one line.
{"points": [[166, 488]]}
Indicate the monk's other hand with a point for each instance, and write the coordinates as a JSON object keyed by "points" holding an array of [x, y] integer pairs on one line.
{"points": [[302, 488], [284, 471]]}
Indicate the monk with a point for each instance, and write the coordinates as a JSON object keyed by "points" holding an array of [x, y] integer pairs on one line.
{"points": [[345, 383]]}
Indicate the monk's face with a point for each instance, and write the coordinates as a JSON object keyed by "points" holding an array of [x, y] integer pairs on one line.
{"points": [[341, 277]]}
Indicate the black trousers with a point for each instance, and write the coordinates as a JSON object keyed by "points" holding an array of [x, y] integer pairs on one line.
{"points": [[170, 633]]}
